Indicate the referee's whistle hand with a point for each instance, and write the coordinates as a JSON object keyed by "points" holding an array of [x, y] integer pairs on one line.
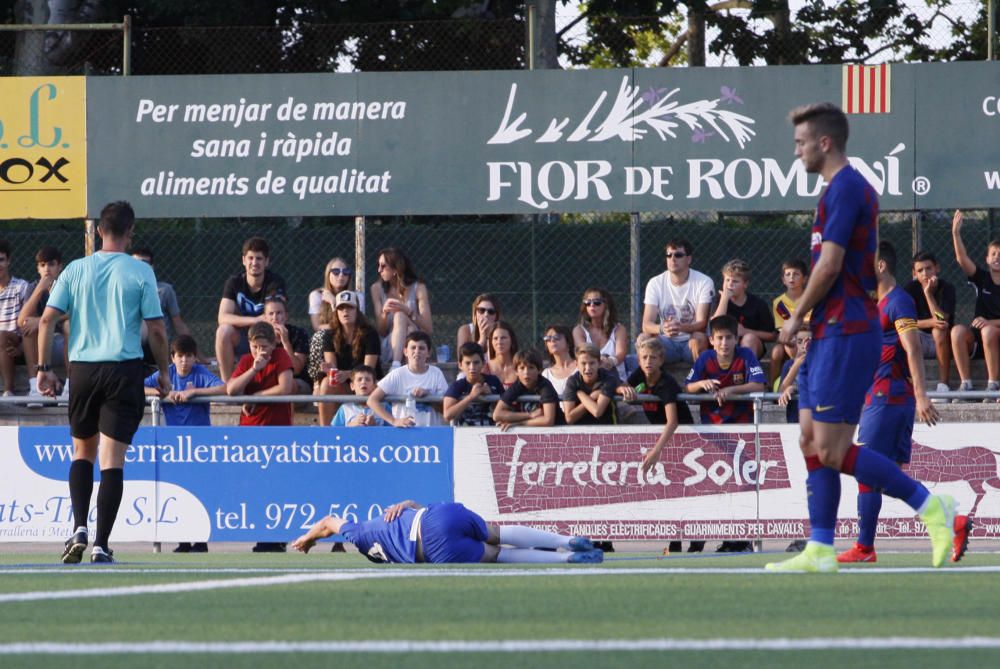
{"points": [[46, 382]]}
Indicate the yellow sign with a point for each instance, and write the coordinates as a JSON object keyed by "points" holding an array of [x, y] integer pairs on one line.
{"points": [[43, 147]]}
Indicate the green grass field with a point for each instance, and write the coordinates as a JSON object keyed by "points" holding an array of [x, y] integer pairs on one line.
{"points": [[707, 611]]}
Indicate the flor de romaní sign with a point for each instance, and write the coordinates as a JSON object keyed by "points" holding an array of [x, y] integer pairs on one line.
{"points": [[495, 142]]}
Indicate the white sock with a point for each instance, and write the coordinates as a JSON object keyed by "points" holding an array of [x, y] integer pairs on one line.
{"points": [[527, 537], [511, 555]]}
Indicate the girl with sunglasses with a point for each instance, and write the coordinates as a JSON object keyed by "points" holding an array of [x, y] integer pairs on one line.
{"points": [[337, 277], [599, 326], [558, 340], [485, 315]]}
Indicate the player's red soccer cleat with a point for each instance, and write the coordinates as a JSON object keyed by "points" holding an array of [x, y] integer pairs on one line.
{"points": [[858, 553], [963, 525]]}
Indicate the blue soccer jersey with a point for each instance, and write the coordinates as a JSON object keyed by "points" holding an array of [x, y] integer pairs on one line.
{"points": [[744, 368], [892, 383], [847, 215], [382, 541]]}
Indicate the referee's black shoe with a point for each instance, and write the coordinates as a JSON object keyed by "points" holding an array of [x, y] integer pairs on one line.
{"points": [[99, 556], [74, 547]]}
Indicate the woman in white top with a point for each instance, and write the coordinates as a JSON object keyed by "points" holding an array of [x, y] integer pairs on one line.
{"points": [[402, 304], [485, 314], [562, 364], [503, 346], [599, 326]]}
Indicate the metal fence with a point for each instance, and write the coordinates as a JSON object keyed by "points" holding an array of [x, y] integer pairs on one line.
{"points": [[538, 268]]}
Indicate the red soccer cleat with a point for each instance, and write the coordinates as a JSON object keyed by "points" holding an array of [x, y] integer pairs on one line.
{"points": [[962, 525], [858, 553]]}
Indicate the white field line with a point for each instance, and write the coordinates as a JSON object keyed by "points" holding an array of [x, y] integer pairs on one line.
{"points": [[350, 575], [497, 646]]}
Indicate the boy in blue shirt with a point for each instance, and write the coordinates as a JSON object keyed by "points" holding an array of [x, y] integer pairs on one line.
{"points": [[351, 414], [189, 379]]}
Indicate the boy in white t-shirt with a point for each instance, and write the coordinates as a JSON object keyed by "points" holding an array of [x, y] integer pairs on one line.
{"points": [[677, 304], [417, 379]]}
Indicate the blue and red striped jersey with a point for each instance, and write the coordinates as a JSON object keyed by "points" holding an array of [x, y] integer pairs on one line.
{"points": [[847, 215], [893, 384], [745, 368]]}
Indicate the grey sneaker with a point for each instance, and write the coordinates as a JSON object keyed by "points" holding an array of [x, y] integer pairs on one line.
{"points": [[964, 386], [941, 388], [991, 387]]}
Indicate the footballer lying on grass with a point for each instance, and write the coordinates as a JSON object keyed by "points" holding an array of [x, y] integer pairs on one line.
{"points": [[448, 532]]}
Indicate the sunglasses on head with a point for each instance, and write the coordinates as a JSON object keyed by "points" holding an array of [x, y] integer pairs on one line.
{"points": [[594, 302], [676, 254], [337, 271], [548, 338], [486, 310]]}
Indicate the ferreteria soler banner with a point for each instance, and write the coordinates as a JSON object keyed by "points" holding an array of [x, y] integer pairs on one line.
{"points": [[506, 141]]}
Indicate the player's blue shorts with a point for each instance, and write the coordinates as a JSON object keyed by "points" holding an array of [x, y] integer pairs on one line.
{"points": [[836, 374], [452, 533], [888, 429]]}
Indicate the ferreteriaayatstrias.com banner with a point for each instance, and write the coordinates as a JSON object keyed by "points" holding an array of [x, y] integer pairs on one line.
{"points": [[710, 482]]}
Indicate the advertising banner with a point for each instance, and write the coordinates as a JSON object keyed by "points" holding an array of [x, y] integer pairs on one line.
{"points": [[710, 482], [226, 484], [43, 147], [516, 142]]}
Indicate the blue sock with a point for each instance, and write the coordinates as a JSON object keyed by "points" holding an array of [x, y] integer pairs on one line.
{"points": [[869, 505], [823, 489], [879, 472]]}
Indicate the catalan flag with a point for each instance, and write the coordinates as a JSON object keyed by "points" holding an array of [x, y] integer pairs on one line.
{"points": [[866, 89]]}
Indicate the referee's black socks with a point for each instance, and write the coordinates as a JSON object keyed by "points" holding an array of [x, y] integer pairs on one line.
{"points": [[109, 498], [81, 486]]}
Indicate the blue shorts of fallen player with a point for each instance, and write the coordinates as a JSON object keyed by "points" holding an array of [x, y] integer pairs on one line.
{"points": [[836, 375], [451, 533], [888, 429]]}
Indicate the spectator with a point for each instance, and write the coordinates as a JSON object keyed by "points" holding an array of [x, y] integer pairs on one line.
{"points": [[935, 300], [417, 379], [726, 370], [794, 273], [356, 414], [485, 315], [265, 371], [48, 262], [13, 294], [599, 325], [589, 397], [292, 338], [511, 411], [756, 323], [188, 379], [677, 304], [402, 304], [653, 378], [322, 301], [787, 385], [983, 334], [501, 352], [350, 341], [562, 364], [242, 303], [168, 302], [461, 405]]}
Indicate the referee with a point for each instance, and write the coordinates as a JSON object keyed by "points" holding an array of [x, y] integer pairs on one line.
{"points": [[107, 296]]}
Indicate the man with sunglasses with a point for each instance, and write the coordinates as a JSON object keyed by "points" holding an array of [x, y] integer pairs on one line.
{"points": [[677, 305]]}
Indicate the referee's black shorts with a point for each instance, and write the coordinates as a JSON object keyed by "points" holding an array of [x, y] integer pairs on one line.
{"points": [[106, 397]]}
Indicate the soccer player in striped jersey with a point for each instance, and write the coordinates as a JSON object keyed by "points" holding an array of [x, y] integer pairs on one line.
{"points": [[448, 533], [846, 344], [897, 396]]}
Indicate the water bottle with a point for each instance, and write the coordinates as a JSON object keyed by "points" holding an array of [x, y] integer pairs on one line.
{"points": [[411, 408], [443, 353]]}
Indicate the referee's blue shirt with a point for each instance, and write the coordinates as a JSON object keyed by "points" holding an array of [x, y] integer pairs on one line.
{"points": [[106, 296]]}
